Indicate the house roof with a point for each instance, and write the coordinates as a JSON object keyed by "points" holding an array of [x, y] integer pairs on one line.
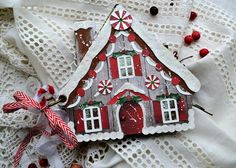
{"points": [[162, 54]]}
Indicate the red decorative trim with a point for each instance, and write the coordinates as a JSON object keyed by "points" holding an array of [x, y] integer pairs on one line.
{"points": [[112, 39], [119, 95], [131, 37], [159, 66], [92, 74], [145, 52], [105, 117], [137, 65], [114, 68], [102, 56], [183, 115], [175, 80], [80, 92]]}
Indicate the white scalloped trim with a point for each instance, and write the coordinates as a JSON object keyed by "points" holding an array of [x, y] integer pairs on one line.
{"points": [[99, 136], [172, 127], [95, 136]]}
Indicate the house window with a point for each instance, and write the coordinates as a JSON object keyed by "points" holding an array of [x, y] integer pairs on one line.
{"points": [[92, 119], [169, 111], [126, 66]]}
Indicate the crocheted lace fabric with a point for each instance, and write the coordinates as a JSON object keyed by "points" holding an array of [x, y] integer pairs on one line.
{"points": [[37, 47]]}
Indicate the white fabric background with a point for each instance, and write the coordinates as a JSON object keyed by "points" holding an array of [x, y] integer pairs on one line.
{"points": [[211, 144]]}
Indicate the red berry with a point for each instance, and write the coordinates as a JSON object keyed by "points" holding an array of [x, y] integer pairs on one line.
{"points": [[175, 80], [112, 39], [145, 52], [203, 52], [80, 92], [43, 162], [92, 74], [159, 66], [193, 16], [102, 56], [188, 39], [32, 165], [131, 37], [196, 35]]}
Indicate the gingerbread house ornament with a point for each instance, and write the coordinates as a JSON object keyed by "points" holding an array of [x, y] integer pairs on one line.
{"points": [[128, 83]]}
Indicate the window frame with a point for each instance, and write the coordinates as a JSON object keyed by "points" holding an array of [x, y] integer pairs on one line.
{"points": [[124, 56], [169, 110], [92, 119]]}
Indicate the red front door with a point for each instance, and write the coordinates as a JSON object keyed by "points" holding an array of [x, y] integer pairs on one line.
{"points": [[131, 118]]}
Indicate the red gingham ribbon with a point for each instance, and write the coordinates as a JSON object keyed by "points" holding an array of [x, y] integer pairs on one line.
{"points": [[55, 122]]}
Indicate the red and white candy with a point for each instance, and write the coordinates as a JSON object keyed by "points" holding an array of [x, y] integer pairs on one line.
{"points": [[105, 87], [120, 20], [152, 82]]}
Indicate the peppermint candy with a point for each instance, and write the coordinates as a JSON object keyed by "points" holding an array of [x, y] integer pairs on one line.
{"points": [[152, 82], [120, 20], [105, 87]]}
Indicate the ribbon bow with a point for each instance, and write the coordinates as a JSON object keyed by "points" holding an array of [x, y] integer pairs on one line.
{"points": [[57, 125]]}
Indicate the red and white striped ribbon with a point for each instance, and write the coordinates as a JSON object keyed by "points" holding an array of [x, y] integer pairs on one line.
{"points": [[55, 122]]}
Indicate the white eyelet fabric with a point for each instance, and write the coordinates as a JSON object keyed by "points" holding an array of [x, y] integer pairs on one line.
{"points": [[37, 46]]}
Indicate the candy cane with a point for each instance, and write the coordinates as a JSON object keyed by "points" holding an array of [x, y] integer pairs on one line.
{"points": [[41, 94]]}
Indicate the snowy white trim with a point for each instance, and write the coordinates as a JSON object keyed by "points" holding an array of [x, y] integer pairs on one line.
{"points": [[75, 103], [84, 25], [172, 127], [119, 33], [101, 63], [150, 61], [111, 50], [89, 83], [163, 74], [182, 91], [83, 68], [158, 49], [95, 136], [129, 86], [134, 46]]}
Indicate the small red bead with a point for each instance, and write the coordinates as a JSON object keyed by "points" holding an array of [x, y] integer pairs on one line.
{"points": [[131, 37], [188, 39], [203, 52], [145, 52], [159, 66], [32, 165], [102, 56], [175, 80], [128, 97], [112, 39], [90, 102], [193, 16], [43, 162], [80, 92], [92, 74], [196, 35], [75, 165]]}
